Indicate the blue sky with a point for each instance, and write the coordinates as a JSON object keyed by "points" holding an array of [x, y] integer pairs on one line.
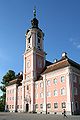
{"points": [[59, 20]]}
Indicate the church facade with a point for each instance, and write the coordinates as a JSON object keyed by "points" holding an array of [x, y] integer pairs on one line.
{"points": [[45, 87]]}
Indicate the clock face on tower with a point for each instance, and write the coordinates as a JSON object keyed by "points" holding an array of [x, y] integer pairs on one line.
{"points": [[28, 64]]}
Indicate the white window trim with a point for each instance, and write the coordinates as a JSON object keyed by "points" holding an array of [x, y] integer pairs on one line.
{"points": [[57, 92], [57, 103], [63, 102], [61, 77], [60, 91], [48, 94], [54, 80], [50, 106], [48, 84], [41, 95], [41, 84], [36, 85]]}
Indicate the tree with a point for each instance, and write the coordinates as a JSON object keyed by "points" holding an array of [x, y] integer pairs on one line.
{"points": [[1, 104], [10, 75]]}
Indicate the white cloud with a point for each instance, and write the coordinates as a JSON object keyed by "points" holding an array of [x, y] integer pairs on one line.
{"points": [[75, 42], [78, 46], [71, 39]]}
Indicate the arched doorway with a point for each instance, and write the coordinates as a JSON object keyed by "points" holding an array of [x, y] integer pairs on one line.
{"points": [[27, 107]]}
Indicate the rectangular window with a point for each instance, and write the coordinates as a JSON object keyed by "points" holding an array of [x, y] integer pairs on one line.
{"points": [[63, 91], [48, 94], [41, 95], [36, 85], [62, 79], [41, 106], [18, 106], [49, 105], [10, 91], [63, 104], [48, 82], [12, 98], [41, 84], [36, 106], [55, 93], [27, 87], [21, 97], [55, 105], [36, 95], [55, 81], [12, 106], [13, 91]]}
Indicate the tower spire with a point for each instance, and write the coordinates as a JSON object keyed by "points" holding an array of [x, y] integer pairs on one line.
{"points": [[34, 12], [34, 21]]}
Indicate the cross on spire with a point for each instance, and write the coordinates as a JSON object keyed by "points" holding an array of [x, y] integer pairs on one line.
{"points": [[34, 12]]}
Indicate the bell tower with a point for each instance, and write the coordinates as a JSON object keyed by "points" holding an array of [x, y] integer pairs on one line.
{"points": [[34, 63]]}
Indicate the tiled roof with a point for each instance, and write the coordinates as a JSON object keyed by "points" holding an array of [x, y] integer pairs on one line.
{"points": [[15, 81], [18, 80], [61, 64]]}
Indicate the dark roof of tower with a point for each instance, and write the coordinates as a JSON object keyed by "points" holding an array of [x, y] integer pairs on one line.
{"points": [[34, 23]]}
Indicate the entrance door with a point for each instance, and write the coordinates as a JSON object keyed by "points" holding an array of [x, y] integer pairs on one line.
{"points": [[27, 107]]}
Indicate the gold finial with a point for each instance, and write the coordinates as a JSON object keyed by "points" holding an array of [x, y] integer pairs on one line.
{"points": [[34, 12]]}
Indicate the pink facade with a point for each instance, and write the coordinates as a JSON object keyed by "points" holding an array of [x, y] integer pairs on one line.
{"points": [[46, 87]]}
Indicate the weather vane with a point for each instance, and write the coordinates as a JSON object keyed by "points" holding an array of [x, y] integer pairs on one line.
{"points": [[34, 12]]}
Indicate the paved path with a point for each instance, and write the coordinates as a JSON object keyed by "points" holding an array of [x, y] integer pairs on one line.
{"points": [[26, 116]]}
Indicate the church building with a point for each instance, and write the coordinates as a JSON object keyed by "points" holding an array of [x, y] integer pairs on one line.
{"points": [[44, 87]]}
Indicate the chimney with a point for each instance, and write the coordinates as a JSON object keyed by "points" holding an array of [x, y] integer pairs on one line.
{"points": [[55, 60], [21, 73], [64, 55]]}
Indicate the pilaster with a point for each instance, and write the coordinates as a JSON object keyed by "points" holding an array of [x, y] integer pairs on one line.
{"points": [[45, 99], [32, 96], [15, 97], [23, 96], [68, 105]]}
